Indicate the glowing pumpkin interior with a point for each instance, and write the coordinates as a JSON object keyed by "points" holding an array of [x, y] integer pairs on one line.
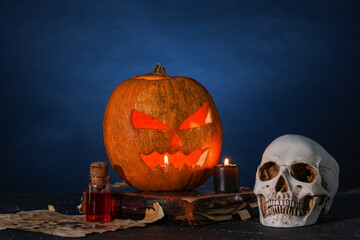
{"points": [[198, 119]]}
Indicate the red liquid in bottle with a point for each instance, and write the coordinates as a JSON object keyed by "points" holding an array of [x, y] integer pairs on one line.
{"points": [[98, 207]]}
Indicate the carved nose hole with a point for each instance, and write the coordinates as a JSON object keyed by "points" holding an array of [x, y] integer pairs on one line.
{"points": [[175, 141], [281, 185]]}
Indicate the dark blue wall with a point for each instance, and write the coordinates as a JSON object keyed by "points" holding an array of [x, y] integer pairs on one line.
{"points": [[272, 67]]}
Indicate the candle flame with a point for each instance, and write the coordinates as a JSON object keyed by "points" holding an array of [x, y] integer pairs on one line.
{"points": [[226, 161], [166, 160]]}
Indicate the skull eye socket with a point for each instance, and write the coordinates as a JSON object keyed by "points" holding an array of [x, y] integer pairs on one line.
{"points": [[303, 172], [268, 171]]}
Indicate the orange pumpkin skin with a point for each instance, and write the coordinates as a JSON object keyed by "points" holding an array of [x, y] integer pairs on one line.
{"points": [[170, 100]]}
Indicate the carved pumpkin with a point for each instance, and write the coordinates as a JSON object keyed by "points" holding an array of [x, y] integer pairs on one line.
{"points": [[153, 117]]}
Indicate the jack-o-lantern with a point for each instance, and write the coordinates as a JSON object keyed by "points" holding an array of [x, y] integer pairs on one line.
{"points": [[162, 133]]}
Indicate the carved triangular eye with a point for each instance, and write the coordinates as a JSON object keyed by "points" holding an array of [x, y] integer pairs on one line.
{"points": [[199, 118], [141, 120]]}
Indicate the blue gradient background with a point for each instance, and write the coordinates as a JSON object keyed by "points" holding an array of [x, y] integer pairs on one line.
{"points": [[272, 67]]}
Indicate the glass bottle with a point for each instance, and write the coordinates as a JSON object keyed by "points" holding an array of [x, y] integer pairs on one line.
{"points": [[98, 193]]}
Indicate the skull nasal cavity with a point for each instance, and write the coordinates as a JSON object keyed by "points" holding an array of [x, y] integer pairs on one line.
{"points": [[281, 185], [175, 141]]}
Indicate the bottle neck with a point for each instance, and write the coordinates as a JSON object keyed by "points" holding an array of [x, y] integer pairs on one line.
{"points": [[98, 182]]}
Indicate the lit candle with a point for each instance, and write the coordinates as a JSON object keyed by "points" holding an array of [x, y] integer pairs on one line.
{"points": [[226, 177], [166, 162]]}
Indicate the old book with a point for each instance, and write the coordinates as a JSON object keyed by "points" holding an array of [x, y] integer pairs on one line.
{"points": [[196, 207]]}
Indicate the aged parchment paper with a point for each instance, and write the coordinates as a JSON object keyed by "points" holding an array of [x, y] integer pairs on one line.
{"points": [[54, 223]]}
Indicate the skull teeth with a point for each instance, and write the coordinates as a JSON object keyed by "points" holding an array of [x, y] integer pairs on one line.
{"points": [[284, 210], [284, 206]]}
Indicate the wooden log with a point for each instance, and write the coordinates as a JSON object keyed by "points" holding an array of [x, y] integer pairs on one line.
{"points": [[196, 207]]}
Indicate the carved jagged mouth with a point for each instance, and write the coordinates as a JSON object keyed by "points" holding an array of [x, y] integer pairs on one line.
{"points": [[178, 159], [287, 206]]}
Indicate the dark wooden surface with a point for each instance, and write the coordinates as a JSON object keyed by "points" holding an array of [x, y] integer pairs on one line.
{"points": [[342, 222]]}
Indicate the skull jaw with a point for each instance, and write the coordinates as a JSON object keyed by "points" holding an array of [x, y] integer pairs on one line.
{"points": [[286, 221], [283, 220]]}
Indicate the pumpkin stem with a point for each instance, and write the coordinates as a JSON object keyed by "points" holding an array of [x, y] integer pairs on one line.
{"points": [[159, 70]]}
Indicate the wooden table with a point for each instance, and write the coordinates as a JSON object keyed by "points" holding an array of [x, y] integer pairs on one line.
{"points": [[342, 222]]}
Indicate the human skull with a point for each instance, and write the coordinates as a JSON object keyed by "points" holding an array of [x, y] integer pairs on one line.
{"points": [[296, 180]]}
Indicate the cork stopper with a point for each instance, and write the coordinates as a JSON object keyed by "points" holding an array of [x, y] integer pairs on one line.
{"points": [[99, 169]]}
